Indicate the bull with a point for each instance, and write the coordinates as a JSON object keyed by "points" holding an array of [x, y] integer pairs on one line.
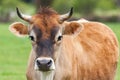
{"points": [[62, 50]]}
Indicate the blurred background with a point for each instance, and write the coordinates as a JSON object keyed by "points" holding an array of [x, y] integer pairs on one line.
{"points": [[14, 51], [100, 10]]}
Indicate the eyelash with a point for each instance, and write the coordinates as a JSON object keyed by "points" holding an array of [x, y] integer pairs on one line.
{"points": [[31, 38], [59, 38]]}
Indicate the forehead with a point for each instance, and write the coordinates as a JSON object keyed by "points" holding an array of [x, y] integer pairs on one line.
{"points": [[45, 22], [46, 17]]}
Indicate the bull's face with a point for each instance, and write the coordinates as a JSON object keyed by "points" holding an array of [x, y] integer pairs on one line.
{"points": [[45, 31], [46, 38]]}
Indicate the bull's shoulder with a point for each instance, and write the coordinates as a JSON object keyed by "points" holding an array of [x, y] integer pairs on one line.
{"points": [[97, 30], [98, 36]]}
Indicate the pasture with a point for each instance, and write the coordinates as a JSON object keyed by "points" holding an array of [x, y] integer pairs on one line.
{"points": [[14, 53]]}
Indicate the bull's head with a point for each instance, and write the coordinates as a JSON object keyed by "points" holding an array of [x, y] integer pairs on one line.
{"points": [[46, 32]]}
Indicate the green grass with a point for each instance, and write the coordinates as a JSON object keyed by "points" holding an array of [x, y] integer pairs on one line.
{"points": [[14, 53]]}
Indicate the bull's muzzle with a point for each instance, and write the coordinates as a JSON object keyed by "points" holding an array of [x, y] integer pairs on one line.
{"points": [[44, 64]]}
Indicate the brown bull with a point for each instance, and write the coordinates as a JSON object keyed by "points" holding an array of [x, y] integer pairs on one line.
{"points": [[76, 50]]}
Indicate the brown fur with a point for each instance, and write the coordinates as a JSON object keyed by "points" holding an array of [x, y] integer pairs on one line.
{"points": [[71, 28]]}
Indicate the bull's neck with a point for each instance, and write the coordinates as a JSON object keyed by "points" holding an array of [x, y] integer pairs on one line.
{"points": [[47, 75]]}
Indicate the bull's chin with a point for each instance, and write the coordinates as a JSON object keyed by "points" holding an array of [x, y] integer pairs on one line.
{"points": [[45, 74]]}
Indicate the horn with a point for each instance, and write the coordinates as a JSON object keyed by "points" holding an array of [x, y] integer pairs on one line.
{"points": [[22, 16], [66, 16]]}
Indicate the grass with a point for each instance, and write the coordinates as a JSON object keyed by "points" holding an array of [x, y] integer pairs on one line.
{"points": [[14, 53]]}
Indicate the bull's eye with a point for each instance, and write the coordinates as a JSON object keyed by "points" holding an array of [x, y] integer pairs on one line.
{"points": [[31, 38], [59, 38]]}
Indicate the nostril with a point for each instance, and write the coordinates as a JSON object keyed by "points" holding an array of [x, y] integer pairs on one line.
{"points": [[38, 62], [44, 62], [49, 63]]}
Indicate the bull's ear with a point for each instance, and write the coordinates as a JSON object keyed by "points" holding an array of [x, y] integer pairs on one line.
{"points": [[18, 29], [72, 28]]}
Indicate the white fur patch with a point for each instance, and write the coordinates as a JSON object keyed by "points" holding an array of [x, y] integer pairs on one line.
{"points": [[47, 75], [82, 20], [59, 33], [32, 33]]}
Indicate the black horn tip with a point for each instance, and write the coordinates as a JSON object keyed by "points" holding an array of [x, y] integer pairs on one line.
{"points": [[16, 8], [18, 13], [71, 11]]}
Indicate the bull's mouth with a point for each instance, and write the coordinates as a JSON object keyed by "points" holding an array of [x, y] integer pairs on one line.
{"points": [[44, 69]]}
